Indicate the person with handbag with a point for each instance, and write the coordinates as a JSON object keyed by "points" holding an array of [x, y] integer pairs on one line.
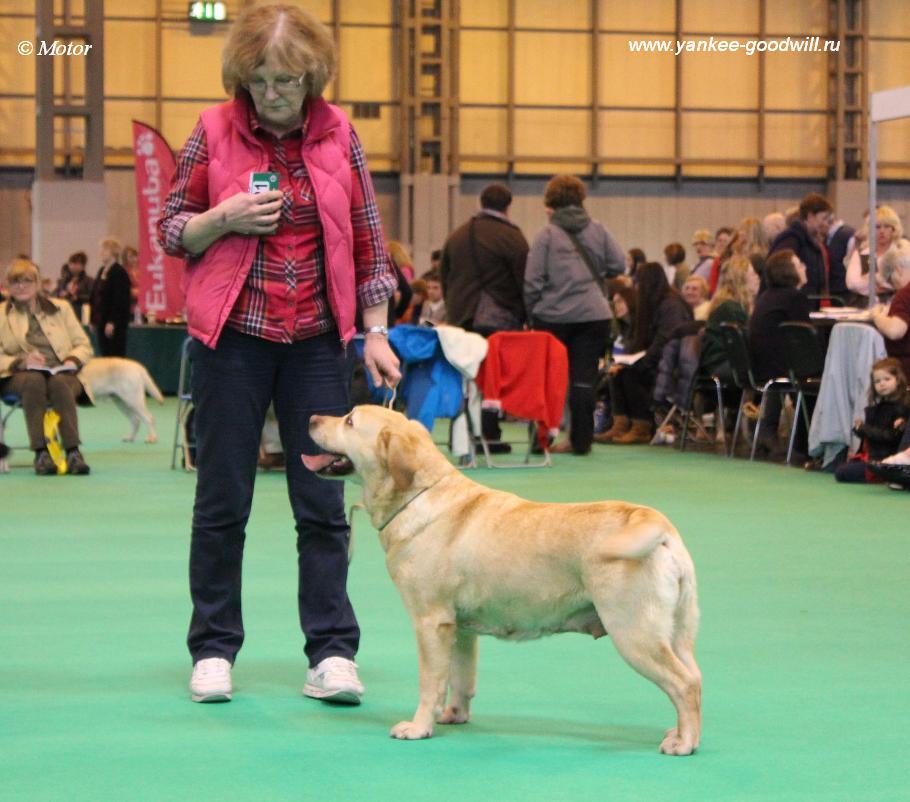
{"points": [[483, 266], [482, 270], [565, 279]]}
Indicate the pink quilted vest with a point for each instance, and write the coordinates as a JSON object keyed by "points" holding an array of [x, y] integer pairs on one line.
{"points": [[213, 281]]}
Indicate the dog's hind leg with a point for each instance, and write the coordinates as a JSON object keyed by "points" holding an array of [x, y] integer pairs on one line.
{"points": [[435, 639], [130, 415], [462, 679], [139, 411], [654, 658]]}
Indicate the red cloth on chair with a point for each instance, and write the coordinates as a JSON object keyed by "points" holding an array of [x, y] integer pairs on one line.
{"points": [[527, 372]]}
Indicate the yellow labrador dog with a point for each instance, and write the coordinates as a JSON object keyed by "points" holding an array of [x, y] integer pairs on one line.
{"points": [[472, 561], [126, 381]]}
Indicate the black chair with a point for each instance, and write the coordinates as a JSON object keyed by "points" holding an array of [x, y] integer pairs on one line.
{"points": [[737, 350], [706, 384], [805, 359]]}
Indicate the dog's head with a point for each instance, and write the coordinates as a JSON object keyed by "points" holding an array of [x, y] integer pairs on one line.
{"points": [[381, 446]]}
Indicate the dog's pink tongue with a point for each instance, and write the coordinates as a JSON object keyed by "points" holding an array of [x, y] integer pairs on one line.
{"points": [[316, 462]]}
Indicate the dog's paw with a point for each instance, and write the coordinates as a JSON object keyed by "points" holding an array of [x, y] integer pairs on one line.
{"points": [[151, 439], [127, 438], [674, 744], [410, 731], [454, 715]]}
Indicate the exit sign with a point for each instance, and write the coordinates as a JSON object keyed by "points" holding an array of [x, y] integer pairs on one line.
{"points": [[208, 12]]}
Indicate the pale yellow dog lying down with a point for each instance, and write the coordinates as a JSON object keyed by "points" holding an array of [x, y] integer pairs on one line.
{"points": [[472, 561]]}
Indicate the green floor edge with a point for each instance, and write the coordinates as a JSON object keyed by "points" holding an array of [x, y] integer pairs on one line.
{"points": [[803, 647]]}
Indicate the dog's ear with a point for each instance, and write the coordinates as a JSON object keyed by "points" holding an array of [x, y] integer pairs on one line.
{"points": [[397, 453]]}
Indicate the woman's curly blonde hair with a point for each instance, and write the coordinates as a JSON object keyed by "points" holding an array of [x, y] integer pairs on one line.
{"points": [[294, 37]]}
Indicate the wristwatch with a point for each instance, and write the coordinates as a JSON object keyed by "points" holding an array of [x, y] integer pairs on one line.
{"points": [[383, 330]]}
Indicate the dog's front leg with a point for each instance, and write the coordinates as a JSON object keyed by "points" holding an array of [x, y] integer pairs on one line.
{"points": [[462, 679], [434, 649]]}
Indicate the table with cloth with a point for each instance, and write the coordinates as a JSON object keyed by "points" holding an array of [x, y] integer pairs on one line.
{"points": [[844, 391]]}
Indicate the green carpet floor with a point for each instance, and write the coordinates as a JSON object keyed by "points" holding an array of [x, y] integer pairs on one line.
{"points": [[803, 647]]}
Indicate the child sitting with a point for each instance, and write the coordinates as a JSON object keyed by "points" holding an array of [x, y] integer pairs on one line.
{"points": [[433, 311], [886, 419]]}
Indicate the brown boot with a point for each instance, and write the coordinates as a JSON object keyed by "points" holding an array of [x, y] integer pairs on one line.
{"points": [[620, 426], [639, 433]]}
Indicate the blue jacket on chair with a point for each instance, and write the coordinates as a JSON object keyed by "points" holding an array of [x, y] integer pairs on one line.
{"points": [[431, 387]]}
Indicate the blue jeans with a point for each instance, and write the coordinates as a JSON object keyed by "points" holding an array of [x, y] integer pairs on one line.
{"points": [[232, 386]]}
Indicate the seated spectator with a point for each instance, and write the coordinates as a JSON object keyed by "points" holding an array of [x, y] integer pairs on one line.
{"points": [[894, 324], [418, 297], [436, 260], [433, 310], [624, 304], [75, 285], [722, 238], [677, 270], [695, 293], [703, 243], [661, 312], [782, 301], [772, 225], [888, 235], [42, 347], [401, 258], [731, 304], [401, 267], [750, 241], [635, 258], [884, 423]]}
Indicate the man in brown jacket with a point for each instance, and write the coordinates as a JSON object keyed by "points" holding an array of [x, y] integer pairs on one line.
{"points": [[483, 266]]}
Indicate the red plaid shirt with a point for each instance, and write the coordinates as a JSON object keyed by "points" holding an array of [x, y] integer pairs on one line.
{"points": [[284, 297]]}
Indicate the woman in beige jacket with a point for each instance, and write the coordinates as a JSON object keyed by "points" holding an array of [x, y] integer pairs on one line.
{"points": [[42, 347]]}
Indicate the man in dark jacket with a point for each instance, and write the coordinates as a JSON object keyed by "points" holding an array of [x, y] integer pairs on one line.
{"points": [[111, 301], [486, 257], [483, 269], [805, 237]]}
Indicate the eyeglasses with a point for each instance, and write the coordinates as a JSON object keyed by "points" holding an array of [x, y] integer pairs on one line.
{"points": [[283, 84], [21, 281]]}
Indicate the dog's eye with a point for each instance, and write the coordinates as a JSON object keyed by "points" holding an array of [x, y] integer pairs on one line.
{"points": [[349, 420]]}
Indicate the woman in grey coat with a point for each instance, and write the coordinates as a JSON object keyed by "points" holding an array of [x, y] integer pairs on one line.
{"points": [[567, 266]]}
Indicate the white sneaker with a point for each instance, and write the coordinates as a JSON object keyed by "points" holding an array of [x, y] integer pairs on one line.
{"points": [[334, 680], [211, 681]]}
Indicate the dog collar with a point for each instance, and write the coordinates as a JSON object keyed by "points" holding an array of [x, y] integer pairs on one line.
{"points": [[408, 502]]}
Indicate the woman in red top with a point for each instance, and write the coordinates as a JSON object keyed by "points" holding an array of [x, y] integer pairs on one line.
{"points": [[272, 283], [894, 322]]}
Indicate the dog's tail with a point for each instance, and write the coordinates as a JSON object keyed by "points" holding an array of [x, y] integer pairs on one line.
{"points": [[150, 387]]}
